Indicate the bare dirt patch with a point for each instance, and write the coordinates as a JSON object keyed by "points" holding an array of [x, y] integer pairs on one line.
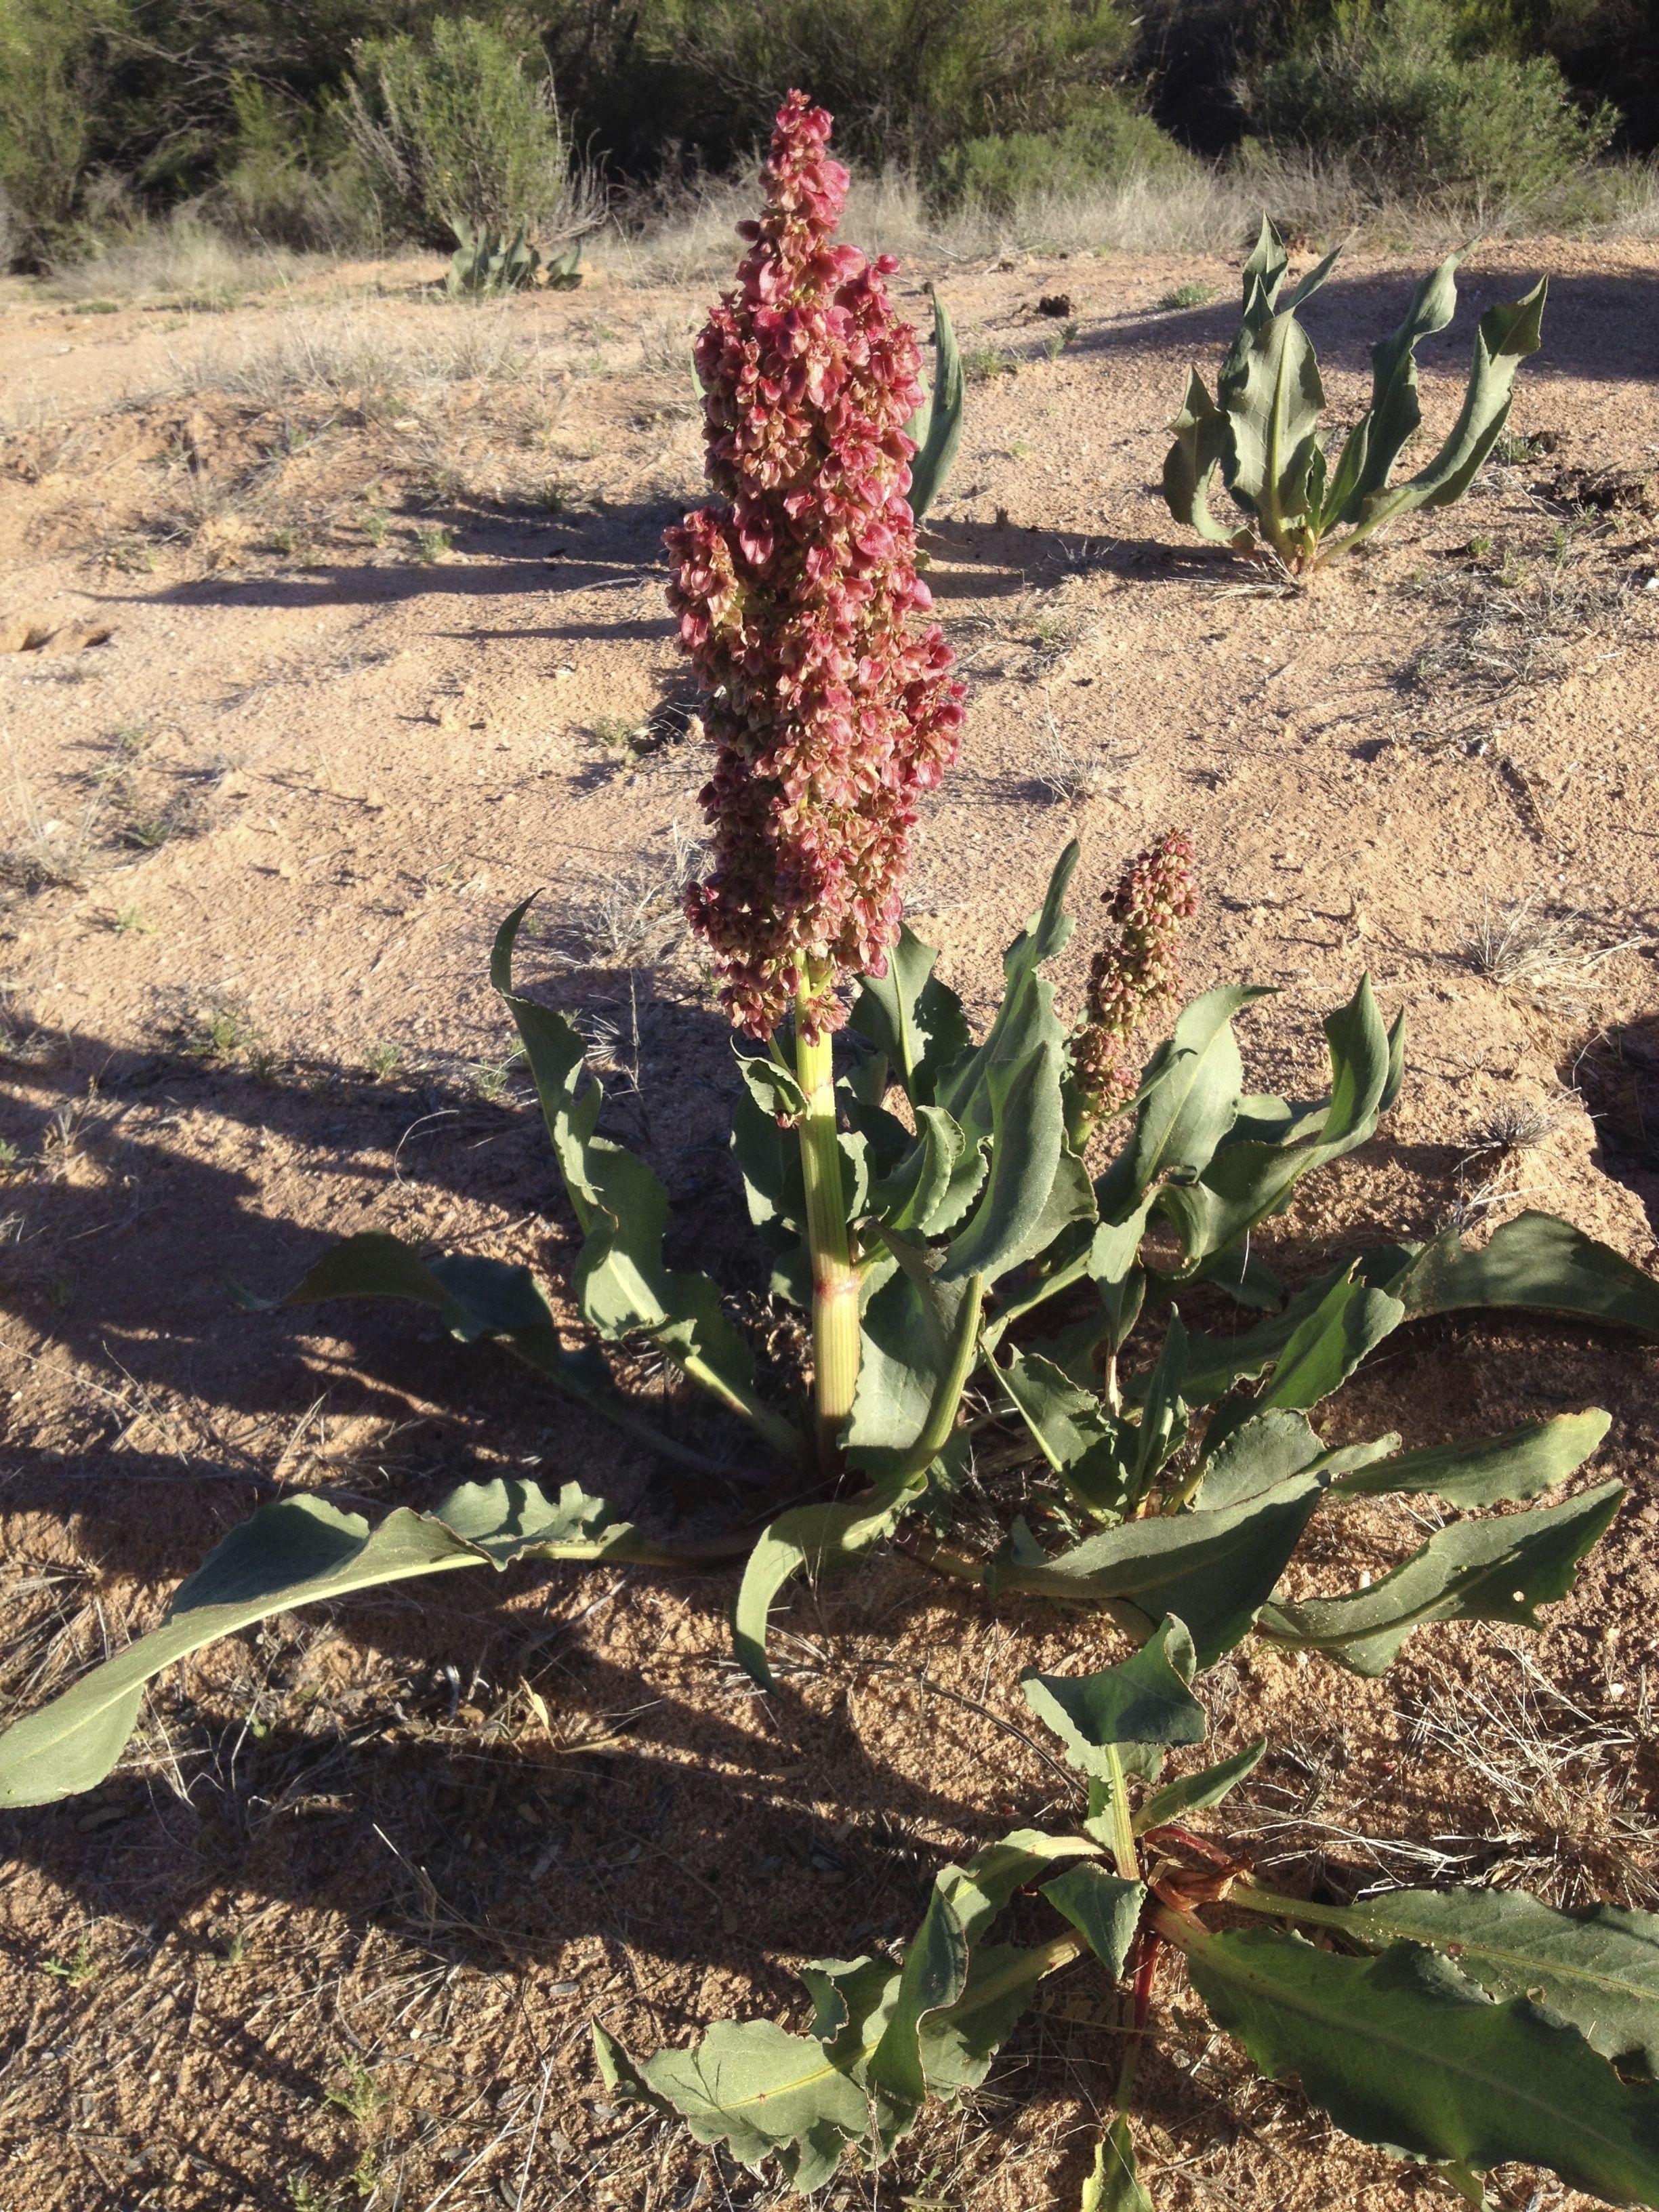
{"points": [[386, 650]]}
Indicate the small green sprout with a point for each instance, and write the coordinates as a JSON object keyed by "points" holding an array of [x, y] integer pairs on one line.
{"points": [[1193, 294]]}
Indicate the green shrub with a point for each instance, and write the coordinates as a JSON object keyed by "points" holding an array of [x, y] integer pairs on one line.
{"points": [[54, 63], [1112, 140], [459, 130], [906, 79], [1392, 90]]}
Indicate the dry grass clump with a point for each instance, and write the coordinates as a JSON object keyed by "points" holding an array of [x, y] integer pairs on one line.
{"points": [[1515, 629], [185, 262], [1566, 1773], [635, 918], [1539, 951], [369, 359]]}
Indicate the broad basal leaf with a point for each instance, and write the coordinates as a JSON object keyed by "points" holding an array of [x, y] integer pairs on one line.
{"points": [[1597, 1969], [1403, 2050], [1213, 1571], [299, 1551], [811, 1539], [1498, 1570], [1203, 442], [760, 2091], [912, 1017], [936, 426], [1522, 1463], [1104, 1908], [1146, 1698], [1538, 1262], [1185, 1116]]}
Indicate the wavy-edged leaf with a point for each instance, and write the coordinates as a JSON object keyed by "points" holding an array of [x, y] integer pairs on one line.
{"points": [[1272, 405], [908, 1197], [1113, 2183], [1506, 336], [811, 1538], [1522, 1463], [1347, 1324], [1498, 1570], [936, 426], [1402, 2050], [622, 1284], [1144, 1699], [1026, 1016], [1026, 1132], [1541, 1263], [1187, 1113], [911, 1017], [1213, 1570], [763, 2092], [1203, 438], [1598, 1969], [1080, 1440], [299, 1551], [1196, 1793], [934, 1975], [1104, 1908]]}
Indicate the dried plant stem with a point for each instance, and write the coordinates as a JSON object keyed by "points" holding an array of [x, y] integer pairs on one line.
{"points": [[835, 1278]]}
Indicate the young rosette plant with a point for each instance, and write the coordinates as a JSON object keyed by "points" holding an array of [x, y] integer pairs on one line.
{"points": [[1464, 2029], [1260, 436]]}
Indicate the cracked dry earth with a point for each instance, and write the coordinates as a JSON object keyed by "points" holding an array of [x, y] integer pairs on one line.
{"points": [[335, 627]]}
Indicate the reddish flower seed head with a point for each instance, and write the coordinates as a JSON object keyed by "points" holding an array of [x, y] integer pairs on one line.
{"points": [[829, 699], [1135, 972]]}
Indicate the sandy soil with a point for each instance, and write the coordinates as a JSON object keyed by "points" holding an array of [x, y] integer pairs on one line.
{"points": [[334, 1935]]}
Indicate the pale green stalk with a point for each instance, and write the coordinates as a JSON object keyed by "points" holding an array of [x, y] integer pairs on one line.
{"points": [[835, 1277]]}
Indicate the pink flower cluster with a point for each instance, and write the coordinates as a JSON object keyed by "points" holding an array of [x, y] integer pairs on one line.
{"points": [[1135, 972], [830, 700]]}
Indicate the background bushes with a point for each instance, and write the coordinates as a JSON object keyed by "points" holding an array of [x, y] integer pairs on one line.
{"points": [[351, 122]]}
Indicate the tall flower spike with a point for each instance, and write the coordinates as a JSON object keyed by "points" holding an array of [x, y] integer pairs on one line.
{"points": [[830, 700], [1135, 971]]}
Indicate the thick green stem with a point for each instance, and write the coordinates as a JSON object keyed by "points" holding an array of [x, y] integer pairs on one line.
{"points": [[835, 1278], [782, 1434], [1124, 1852]]}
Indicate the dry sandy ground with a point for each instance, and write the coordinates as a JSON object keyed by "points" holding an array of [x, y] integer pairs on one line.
{"points": [[334, 1935]]}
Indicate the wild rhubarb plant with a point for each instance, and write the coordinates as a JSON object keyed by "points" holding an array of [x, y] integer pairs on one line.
{"points": [[1261, 436], [998, 1242], [1464, 2029]]}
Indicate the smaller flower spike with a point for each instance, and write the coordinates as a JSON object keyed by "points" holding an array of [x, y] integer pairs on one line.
{"points": [[1135, 972], [829, 698]]}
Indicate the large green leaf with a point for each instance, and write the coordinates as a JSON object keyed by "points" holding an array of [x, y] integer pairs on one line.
{"points": [[1080, 1440], [1213, 1571], [1348, 1323], [299, 1551], [1113, 2183], [1597, 1969], [1498, 1570], [1144, 1699], [1273, 411], [1538, 1262], [1026, 1016], [1506, 336], [1394, 413], [1522, 1463], [1403, 2050], [1104, 1908], [1248, 1181], [1026, 1129], [1202, 440], [1185, 1116], [911, 1194], [936, 426], [751, 2085], [912, 1017], [935, 1974]]}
